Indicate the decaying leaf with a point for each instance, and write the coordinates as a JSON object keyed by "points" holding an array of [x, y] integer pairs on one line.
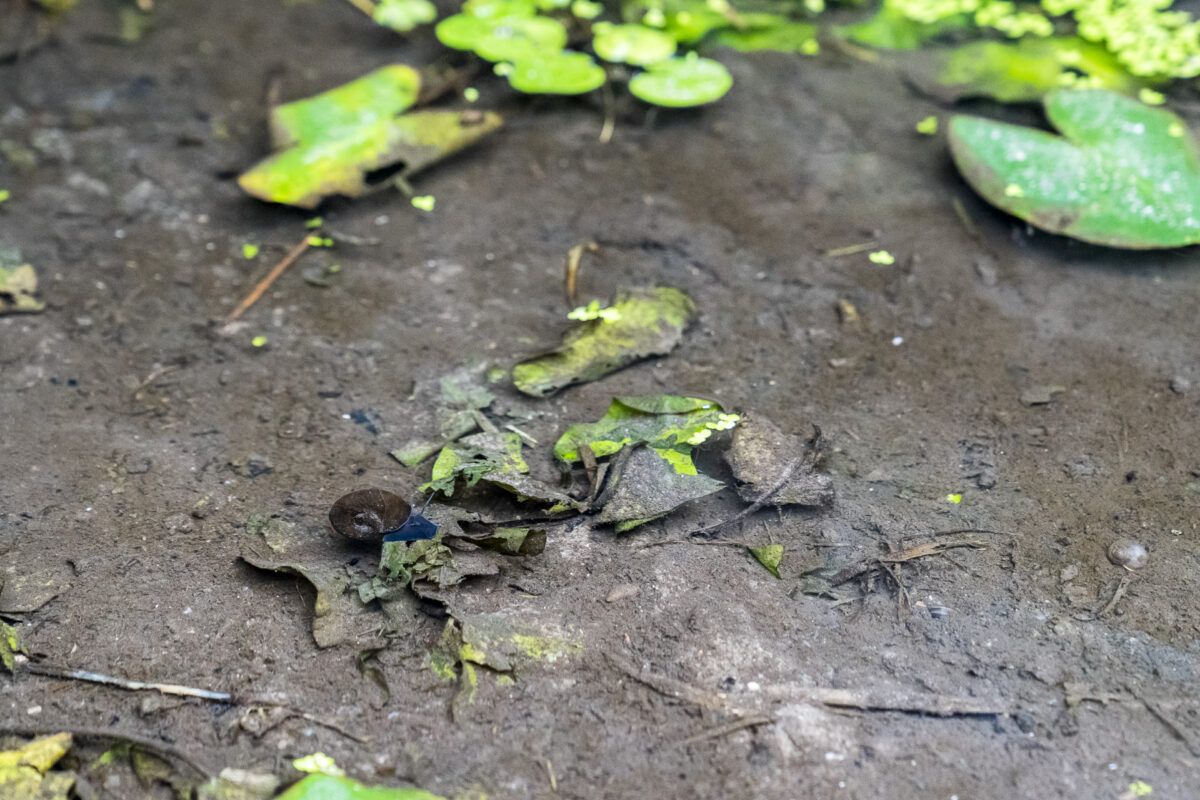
{"points": [[1020, 71], [647, 487], [640, 323], [321, 558], [760, 454], [26, 591], [239, 784], [669, 425], [25, 773], [18, 284], [331, 143], [10, 645], [338, 787], [474, 457], [1122, 174], [448, 405]]}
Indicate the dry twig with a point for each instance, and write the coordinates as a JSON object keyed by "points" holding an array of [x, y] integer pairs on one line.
{"points": [[266, 282]]}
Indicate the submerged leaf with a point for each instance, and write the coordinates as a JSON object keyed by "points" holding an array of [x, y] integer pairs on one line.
{"points": [[1122, 174], [328, 144], [769, 556], [1019, 71], [337, 787], [645, 322]]}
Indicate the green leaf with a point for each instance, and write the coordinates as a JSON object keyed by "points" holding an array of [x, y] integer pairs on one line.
{"points": [[1021, 71], [404, 15], [769, 556], [502, 38], [769, 32], [476, 457], [682, 82], [670, 425], [890, 29], [631, 44], [10, 646], [556, 73], [25, 772], [336, 787], [646, 322], [1122, 174], [328, 143]]}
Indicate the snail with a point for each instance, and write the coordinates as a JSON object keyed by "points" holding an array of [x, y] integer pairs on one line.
{"points": [[372, 515], [1128, 554]]}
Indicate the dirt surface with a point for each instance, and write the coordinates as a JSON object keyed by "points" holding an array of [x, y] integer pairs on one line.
{"points": [[140, 436]]}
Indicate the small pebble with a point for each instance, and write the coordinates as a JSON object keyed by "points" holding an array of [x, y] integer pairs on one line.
{"points": [[1128, 553], [1180, 385]]}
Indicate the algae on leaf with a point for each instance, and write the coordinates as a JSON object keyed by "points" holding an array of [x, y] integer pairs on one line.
{"points": [[1122, 174], [451, 403], [25, 772], [10, 646], [321, 786], [475, 457], [328, 144], [769, 555], [641, 323]]}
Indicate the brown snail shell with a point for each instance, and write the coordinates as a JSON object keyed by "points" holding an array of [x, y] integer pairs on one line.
{"points": [[1128, 553], [367, 514]]}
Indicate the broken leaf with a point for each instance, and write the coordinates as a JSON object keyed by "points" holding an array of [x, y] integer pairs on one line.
{"points": [[449, 404], [25, 772], [649, 486], [338, 787], [1020, 71], [760, 454], [769, 555], [18, 284], [1122, 174], [671, 426], [321, 558], [329, 144], [647, 322], [475, 457]]}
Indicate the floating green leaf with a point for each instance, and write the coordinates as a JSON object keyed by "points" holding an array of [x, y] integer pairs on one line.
{"points": [[685, 21], [329, 143], [556, 72], [646, 322], [671, 426], [504, 37], [337, 787], [682, 82], [404, 15], [1019, 71], [769, 32], [890, 29], [769, 556], [631, 44], [1122, 174]]}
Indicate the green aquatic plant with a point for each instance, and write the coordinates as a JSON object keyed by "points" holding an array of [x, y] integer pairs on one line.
{"points": [[682, 82], [561, 72], [631, 44]]}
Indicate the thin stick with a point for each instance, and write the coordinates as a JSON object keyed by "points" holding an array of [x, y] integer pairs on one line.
{"points": [[730, 727], [850, 250], [1117, 595], [610, 113], [266, 282], [144, 742], [181, 691]]}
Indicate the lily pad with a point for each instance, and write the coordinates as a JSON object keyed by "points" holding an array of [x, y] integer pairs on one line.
{"points": [[769, 32], [631, 44], [685, 21], [338, 787], [404, 15], [1122, 174], [644, 323], [25, 773], [502, 38], [669, 425], [648, 487], [18, 284], [760, 454], [330, 143], [556, 72], [1021, 71], [682, 82]]}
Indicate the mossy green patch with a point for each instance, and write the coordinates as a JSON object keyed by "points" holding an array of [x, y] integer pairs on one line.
{"points": [[647, 322], [769, 556], [10, 646]]}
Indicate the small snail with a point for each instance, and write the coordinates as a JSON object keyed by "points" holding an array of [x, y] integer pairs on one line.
{"points": [[372, 515], [1128, 554]]}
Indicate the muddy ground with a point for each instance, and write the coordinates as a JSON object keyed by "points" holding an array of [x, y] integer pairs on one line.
{"points": [[126, 403]]}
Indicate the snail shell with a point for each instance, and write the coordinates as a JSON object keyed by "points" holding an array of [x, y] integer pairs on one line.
{"points": [[368, 514], [1128, 553]]}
